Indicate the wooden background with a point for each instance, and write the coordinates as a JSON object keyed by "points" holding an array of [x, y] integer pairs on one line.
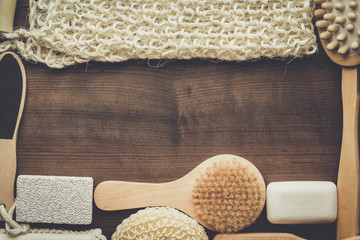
{"points": [[136, 122]]}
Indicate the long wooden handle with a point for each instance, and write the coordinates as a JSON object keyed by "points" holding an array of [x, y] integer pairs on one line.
{"points": [[348, 175], [7, 13], [8, 146], [258, 236]]}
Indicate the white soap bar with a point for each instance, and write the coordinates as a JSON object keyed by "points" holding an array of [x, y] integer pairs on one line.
{"points": [[301, 202]]}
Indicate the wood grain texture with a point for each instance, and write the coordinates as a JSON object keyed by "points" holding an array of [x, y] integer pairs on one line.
{"points": [[348, 176], [258, 236], [132, 122]]}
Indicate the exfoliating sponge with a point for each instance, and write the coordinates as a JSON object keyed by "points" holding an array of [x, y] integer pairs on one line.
{"points": [[115, 31], [159, 223], [53, 199], [230, 195]]}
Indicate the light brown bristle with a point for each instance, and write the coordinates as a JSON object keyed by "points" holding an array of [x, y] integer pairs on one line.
{"points": [[333, 45], [322, 24], [337, 23], [352, 16], [340, 6], [327, 6], [319, 13], [342, 37], [343, 49], [340, 20], [333, 27], [230, 196], [329, 16], [355, 44], [353, 5], [350, 27], [325, 35]]}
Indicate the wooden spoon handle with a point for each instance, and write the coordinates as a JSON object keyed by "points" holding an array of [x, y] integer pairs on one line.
{"points": [[258, 236], [348, 175]]}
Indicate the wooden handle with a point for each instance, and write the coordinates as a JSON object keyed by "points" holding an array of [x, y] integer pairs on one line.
{"points": [[118, 195], [258, 236], [7, 13], [352, 238], [8, 146], [7, 171], [348, 175]]}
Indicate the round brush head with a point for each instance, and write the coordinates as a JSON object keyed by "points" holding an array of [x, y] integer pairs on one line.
{"points": [[230, 195], [159, 223]]}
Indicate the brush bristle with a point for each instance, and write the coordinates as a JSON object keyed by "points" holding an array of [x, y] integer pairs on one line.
{"points": [[339, 25], [159, 223], [230, 195]]}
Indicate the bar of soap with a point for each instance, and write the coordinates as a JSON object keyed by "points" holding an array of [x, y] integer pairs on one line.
{"points": [[301, 202]]}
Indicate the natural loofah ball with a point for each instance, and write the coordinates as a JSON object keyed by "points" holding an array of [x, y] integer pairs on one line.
{"points": [[230, 195], [162, 223]]}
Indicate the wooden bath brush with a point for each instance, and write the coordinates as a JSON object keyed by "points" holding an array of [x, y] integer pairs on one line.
{"points": [[225, 193], [12, 98], [339, 31]]}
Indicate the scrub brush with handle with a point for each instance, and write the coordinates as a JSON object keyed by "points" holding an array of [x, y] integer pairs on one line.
{"points": [[12, 100], [225, 193], [339, 31]]}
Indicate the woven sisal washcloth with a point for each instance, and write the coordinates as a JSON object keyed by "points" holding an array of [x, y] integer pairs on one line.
{"points": [[65, 32]]}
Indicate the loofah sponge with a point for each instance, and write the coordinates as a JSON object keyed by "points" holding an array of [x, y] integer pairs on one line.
{"points": [[159, 223], [230, 195], [62, 33]]}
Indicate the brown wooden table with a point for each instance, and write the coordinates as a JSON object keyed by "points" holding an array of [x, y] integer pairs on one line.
{"points": [[131, 121]]}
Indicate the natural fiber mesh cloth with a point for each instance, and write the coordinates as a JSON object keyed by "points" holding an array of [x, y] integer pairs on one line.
{"points": [[65, 32]]}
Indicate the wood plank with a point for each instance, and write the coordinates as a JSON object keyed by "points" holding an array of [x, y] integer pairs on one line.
{"points": [[133, 122]]}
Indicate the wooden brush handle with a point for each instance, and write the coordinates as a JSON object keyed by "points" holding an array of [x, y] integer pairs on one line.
{"points": [[348, 175], [353, 238], [8, 147], [7, 171], [118, 195], [7, 13], [258, 236]]}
